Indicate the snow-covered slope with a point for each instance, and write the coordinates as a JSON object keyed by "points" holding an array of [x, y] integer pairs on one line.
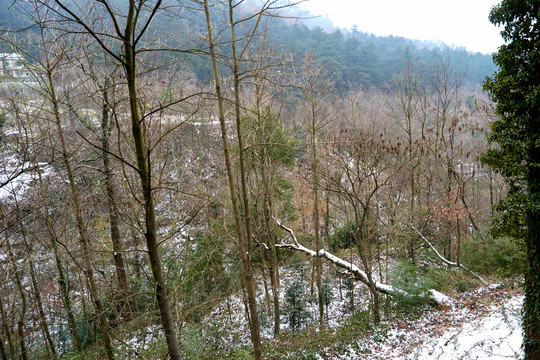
{"points": [[481, 325]]}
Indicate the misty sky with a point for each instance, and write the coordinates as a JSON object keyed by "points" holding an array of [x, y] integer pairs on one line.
{"points": [[454, 22]]}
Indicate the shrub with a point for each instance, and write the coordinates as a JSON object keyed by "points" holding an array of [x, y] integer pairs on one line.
{"points": [[410, 278], [295, 305], [343, 237], [487, 255]]}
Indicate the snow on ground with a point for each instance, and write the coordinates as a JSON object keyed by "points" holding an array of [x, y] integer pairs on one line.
{"points": [[481, 325], [230, 317], [141, 339], [17, 176], [494, 334]]}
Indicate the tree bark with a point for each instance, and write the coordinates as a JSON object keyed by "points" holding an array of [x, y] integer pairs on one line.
{"points": [[250, 283], [316, 225], [143, 170], [243, 245], [37, 294], [83, 237], [117, 242], [62, 280], [3, 349], [7, 328], [22, 315], [531, 305]]}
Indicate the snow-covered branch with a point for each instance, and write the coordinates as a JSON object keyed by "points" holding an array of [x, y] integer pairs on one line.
{"points": [[358, 274], [442, 258]]}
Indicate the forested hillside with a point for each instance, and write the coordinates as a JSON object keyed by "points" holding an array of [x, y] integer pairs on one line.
{"points": [[213, 180], [353, 59]]}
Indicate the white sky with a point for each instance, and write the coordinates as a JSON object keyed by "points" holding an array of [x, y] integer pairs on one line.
{"points": [[454, 22]]}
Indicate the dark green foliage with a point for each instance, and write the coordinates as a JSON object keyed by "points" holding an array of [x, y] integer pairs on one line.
{"points": [[413, 280], [327, 293], [502, 256], [310, 344], [205, 341], [142, 289], [295, 305], [343, 237], [201, 278], [88, 330], [352, 60], [361, 59], [266, 139], [515, 140]]}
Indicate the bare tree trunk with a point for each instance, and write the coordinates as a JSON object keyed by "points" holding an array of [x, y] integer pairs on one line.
{"points": [[143, 170], [22, 315], [39, 303], [62, 280], [7, 329], [243, 245], [37, 294], [268, 211], [128, 37], [316, 225], [3, 349], [250, 283], [33, 279], [117, 242], [83, 237]]}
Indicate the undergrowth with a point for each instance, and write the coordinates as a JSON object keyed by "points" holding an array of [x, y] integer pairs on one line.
{"points": [[308, 343]]}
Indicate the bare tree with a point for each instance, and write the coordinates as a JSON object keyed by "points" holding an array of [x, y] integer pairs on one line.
{"points": [[363, 164], [317, 114]]}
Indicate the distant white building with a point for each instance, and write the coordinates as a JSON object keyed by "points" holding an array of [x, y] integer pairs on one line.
{"points": [[11, 65]]}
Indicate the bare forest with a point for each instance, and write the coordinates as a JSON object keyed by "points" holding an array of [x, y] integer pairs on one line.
{"points": [[261, 211]]}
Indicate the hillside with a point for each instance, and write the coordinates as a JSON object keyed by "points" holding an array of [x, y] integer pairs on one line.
{"points": [[353, 59]]}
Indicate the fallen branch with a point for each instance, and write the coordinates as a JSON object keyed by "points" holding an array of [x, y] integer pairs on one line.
{"points": [[433, 295], [445, 260]]}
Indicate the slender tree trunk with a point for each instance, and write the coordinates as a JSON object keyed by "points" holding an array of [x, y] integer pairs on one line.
{"points": [[264, 267], [531, 313], [7, 329], [316, 225], [413, 195], [143, 170], [39, 302], [458, 243], [243, 245], [531, 306], [62, 280], [134, 27], [33, 279], [491, 196], [22, 315], [269, 223], [3, 349], [83, 237], [250, 283], [117, 242]]}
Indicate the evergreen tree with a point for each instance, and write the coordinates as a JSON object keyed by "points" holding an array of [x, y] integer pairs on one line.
{"points": [[516, 90], [295, 307]]}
